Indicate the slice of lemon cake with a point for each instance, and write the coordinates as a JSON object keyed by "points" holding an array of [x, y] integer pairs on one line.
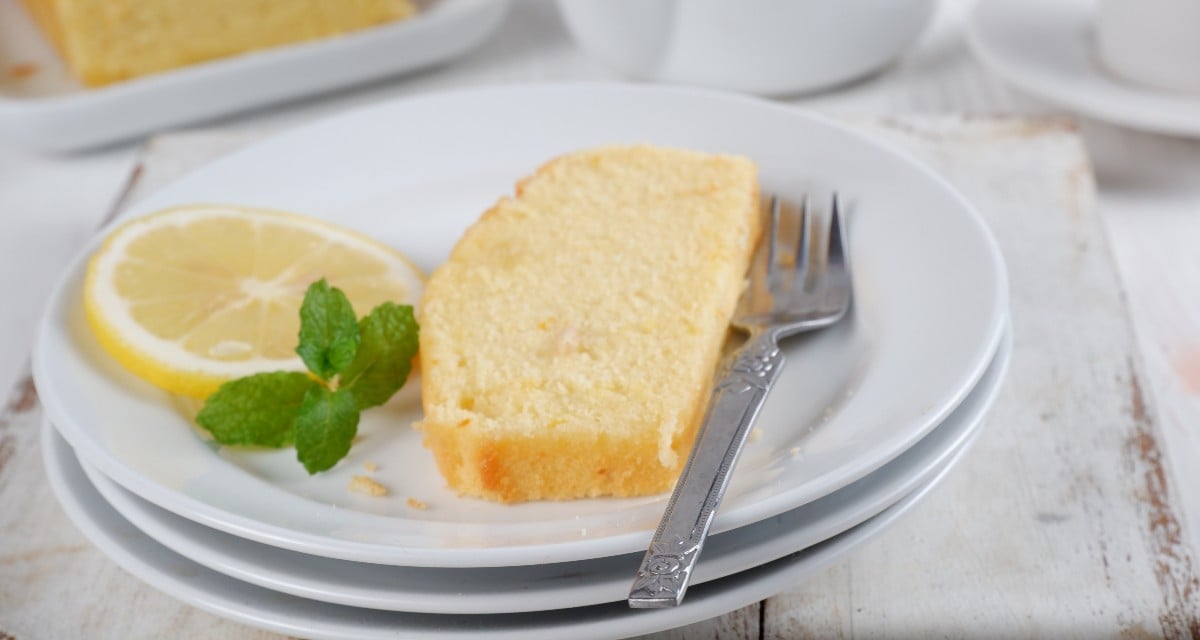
{"points": [[568, 345], [104, 41]]}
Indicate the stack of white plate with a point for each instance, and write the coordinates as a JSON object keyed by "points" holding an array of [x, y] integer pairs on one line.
{"points": [[866, 417]]}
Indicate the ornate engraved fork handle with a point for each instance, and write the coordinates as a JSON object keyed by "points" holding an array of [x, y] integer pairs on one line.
{"points": [[737, 398]]}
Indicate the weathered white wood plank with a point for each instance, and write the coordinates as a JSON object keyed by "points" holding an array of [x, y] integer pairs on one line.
{"points": [[53, 583], [736, 625], [1150, 202], [1061, 522]]}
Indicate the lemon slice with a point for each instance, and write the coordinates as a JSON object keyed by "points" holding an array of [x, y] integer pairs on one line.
{"points": [[191, 297]]}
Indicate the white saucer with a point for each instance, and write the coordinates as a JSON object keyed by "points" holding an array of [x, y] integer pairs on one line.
{"points": [[415, 173], [1046, 48], [258, 607], [560, 585]]}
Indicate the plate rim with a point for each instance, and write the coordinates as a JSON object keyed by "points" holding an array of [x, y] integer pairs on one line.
{"points": [[520, 554], [933, 464], [978, 33], [706, 601]]}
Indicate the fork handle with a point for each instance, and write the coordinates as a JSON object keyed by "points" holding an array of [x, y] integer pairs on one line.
{"points": [[736, 400]]}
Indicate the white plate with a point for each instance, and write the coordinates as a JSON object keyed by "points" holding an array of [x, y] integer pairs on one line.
{"points": [[930, 307], [566, 584], [51, 110], [1046, 48], [206, 589]]}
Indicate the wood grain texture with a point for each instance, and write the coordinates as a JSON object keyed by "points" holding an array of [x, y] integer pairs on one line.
{"points": [[1062, 521], [1151, 209], [735, 625]]}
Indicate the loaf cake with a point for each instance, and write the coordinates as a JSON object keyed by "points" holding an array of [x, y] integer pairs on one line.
{"points": [[105, 41], [568, 345]]}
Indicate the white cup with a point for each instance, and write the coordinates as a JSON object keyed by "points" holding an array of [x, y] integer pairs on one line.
{"points": [[1154, 43], [758, 46]]}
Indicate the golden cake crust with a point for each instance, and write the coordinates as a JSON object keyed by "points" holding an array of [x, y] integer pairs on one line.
{"points": [[112, 40], [568, 344]]}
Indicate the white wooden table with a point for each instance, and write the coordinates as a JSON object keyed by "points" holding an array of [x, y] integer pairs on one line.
{"points": [[1078, 514]]}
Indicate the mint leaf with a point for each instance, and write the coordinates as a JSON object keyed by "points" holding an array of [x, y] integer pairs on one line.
{"points": [[328, 330], [325, 427], [256, 410], [388, 342], [360, 364]]}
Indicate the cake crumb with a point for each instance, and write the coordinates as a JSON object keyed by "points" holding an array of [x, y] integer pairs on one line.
{"points": [[367, 486], [22, 70], [795, 452], [371, 467], [413, 503], [755, 434]]}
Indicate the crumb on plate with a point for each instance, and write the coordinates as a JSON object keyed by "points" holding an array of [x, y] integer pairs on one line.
{"points": [[22, 70], [371, 467], [417, 504], [367, 486], [755, 434]]}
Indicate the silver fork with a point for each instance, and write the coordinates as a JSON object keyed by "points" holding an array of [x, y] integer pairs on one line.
{"points": [[790, 292]]}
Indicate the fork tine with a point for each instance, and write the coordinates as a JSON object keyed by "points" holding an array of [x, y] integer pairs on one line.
{"points": [[804, 270], [772, 243], [837, 236], [801, 264], [759, 297], [837, 281]]}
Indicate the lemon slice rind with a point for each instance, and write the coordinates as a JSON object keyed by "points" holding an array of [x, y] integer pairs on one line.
{"points": [[167, 363]]}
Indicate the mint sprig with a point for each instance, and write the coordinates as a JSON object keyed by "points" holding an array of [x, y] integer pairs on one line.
{"points": [[325, 427], [387, 342], [357, 365], [328, 330], [256, 410]]}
